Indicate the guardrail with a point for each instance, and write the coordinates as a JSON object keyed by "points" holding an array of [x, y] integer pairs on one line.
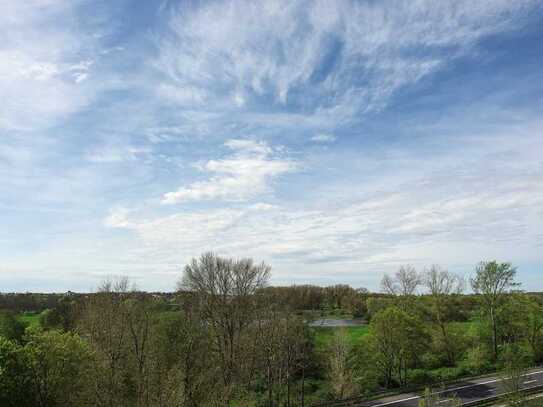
{"points": [[355, 401], [498, 397], [352, 401]]}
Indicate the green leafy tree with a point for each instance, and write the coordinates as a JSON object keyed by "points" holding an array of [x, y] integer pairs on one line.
{"points": [[515, 361], [376, 304], [10, 327], [493, 281], [59, 364], [521, 321], [181, 371], [397, 340], [15, 379]]}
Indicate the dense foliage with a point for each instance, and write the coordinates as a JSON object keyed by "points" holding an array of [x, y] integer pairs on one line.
{"points": [[226, 338]]}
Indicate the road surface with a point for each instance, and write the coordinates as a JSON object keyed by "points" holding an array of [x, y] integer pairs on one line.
{"points": [[469, 391]]}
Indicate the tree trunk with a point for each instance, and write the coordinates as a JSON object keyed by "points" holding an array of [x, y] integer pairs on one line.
{"points": [[494, 333]]}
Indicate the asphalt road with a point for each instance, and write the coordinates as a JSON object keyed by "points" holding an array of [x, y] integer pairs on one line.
{"points": [[468, 392]]}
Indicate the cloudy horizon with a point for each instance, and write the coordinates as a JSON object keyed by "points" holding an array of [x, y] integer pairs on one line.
{"points": [[335, 141]]}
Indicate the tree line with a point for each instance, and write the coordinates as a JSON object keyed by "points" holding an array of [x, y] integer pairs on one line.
{"points": [[227, 338], [423, 340]]}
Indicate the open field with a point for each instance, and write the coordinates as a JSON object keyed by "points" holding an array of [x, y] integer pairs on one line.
{"points": [[324, 335], [31, 319]]}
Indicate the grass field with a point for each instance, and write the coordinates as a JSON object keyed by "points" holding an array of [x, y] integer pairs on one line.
{"points": [[31, 319], [324, 335]]}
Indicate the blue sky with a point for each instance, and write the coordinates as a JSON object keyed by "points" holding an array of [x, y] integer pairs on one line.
{"points": [[334, 140]]}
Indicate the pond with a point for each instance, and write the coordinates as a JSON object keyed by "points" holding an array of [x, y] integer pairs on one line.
{"points": [[337, 322]]}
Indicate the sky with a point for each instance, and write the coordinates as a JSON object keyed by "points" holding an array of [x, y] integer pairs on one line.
{"points": [[334, 140]]}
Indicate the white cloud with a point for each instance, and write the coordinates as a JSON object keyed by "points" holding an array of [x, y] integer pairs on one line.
{"points": [[374, 234], [322, 55], [244, 175], [118, 218], [186, 95], [261, 70], [41, 64], [444, 209]]}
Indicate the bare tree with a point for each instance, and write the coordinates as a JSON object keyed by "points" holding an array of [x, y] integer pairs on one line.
{"points": [[403, 284], [493, 281], [442, 284], [104, 323], [340, 373], [280, 351], [225, 291]]}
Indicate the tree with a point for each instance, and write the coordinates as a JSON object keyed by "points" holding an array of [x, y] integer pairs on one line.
{"points": [[182, 373], [376, 304], [281, 352], [139, 323], [521, 321], [226, 293], [492, 282], [403, 284], [61, 316], [535, 328], [397, 339], [10, 327], [515, 362], [442, 284], [340, 373], [59, 364], [104, 323], [15, 378]]}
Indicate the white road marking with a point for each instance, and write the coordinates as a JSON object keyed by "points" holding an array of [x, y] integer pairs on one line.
{"points": [[397, 401], [483, 383], [457, 388], [491, 397]]}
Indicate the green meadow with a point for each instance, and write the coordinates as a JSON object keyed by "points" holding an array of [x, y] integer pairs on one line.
{"points": [[324, 335], [30, 319]]}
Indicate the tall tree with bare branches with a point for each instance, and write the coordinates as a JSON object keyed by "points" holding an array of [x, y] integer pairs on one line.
{"points": [[403, 284], [226, 292], [441, 284]]}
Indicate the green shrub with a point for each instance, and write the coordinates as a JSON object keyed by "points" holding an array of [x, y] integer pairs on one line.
{"points": [[419, 377], [477, 360], [11, 327], [15, 375]]}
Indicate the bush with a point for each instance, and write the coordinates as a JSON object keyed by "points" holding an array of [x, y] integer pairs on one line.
{"points": [[447, 374], [59, 363], [14, 375], [419, 377], [477, 360], [10, 327]]}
